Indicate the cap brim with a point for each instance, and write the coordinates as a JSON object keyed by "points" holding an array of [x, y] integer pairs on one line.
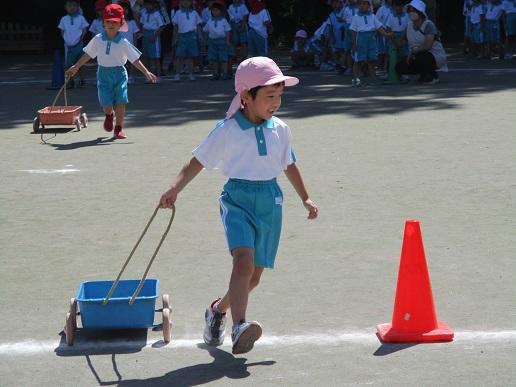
{"points": [[289, 81]]}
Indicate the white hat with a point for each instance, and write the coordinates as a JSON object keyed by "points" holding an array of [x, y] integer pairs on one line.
{"points": [[419, 5]]}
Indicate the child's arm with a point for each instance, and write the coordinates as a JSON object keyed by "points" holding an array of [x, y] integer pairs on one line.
{"points": [[385, 33], [295, 178], [191, 169], [139, 65], [353, 41], [175, 35], [73, 69]]}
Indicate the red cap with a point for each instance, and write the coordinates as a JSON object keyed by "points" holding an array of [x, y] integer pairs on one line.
{"points": [[100, 4], [219, 2], [114, 13]]}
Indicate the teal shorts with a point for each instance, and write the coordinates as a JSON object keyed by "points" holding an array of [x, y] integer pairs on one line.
{"points": [[112, 85], [151, 44], [218, 50], [511, 24], [187, 46], [73, 54], [238, 37], [257, 44], [366, 47], [251, 213]]}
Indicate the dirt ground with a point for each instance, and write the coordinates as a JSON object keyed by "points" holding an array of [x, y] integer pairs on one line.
{"points": [[71, 210]]}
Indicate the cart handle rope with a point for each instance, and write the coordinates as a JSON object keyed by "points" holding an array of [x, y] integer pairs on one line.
{"points": [[63, 88], [140, 285]]}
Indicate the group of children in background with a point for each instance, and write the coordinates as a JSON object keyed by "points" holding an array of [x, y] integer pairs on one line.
{"points": [[483, 23], [355, 38], [203, 32]]}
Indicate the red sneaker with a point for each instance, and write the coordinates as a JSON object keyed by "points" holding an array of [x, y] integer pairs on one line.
{"points": [[108, 122], [119, 133]]}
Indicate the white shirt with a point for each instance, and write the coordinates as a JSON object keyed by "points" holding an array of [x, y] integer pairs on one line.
{"points": [[132, 28], [257, 22], [347, 13], [296, 47], [233, 147], [205, 15], [217, 28], [509, 6], [237, 12], [365, 22], [151, 20], [397, 23], [383, 13], [465, 7], [96, 27], [111, 53], [72, 26], [335, 23], [321, 30], [494, 11], [476, 13], [186, 21]]}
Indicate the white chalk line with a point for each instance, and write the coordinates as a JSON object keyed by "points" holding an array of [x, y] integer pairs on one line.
{"points": [[35, 347], [50, 171]]}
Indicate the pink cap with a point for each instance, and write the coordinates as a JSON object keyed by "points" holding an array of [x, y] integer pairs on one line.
{"points": [[256, 71], [301, 34]]}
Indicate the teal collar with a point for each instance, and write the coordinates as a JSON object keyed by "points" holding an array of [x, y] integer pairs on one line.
{"points": [[245, 124], [116, 39]]}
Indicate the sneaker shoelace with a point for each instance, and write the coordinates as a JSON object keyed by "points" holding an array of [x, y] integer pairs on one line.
{"points": [[216, 323]]}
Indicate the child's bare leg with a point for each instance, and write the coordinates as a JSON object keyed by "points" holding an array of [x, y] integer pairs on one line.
{"points": [[189, 65], [81, 74], [370, 68], [356, 69], [244, 278], [108, 109], [179, 65], [119, 115], [158, 66], [224, 304]]}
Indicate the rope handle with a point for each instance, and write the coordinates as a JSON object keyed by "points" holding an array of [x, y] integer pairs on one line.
{"points": [[140, 285], [67, 78]]}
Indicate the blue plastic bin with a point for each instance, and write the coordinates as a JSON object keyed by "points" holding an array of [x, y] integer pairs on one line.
{"points": [[117, 313]]}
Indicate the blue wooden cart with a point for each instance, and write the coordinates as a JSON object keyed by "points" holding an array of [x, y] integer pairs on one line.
{"points": [[120, 304]]}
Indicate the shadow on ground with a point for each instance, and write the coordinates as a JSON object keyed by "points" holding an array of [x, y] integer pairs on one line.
{"points": [[224, 365], [173, 104]]}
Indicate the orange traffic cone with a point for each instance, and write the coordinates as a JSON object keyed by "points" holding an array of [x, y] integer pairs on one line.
{"points": [[414, 319]]}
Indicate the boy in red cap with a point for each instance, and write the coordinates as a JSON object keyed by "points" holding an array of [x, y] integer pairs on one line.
{"points": [[112, 52], [251, 147]]}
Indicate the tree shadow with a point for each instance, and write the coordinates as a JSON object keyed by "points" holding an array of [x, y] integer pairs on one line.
{"points": [[172, 105], [224, 365]]}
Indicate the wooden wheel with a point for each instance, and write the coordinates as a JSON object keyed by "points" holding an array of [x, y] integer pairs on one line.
{"points": [[35, 124], [166, 301], [73, 311], [69, 329], [166, 325], [84, 120]]}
